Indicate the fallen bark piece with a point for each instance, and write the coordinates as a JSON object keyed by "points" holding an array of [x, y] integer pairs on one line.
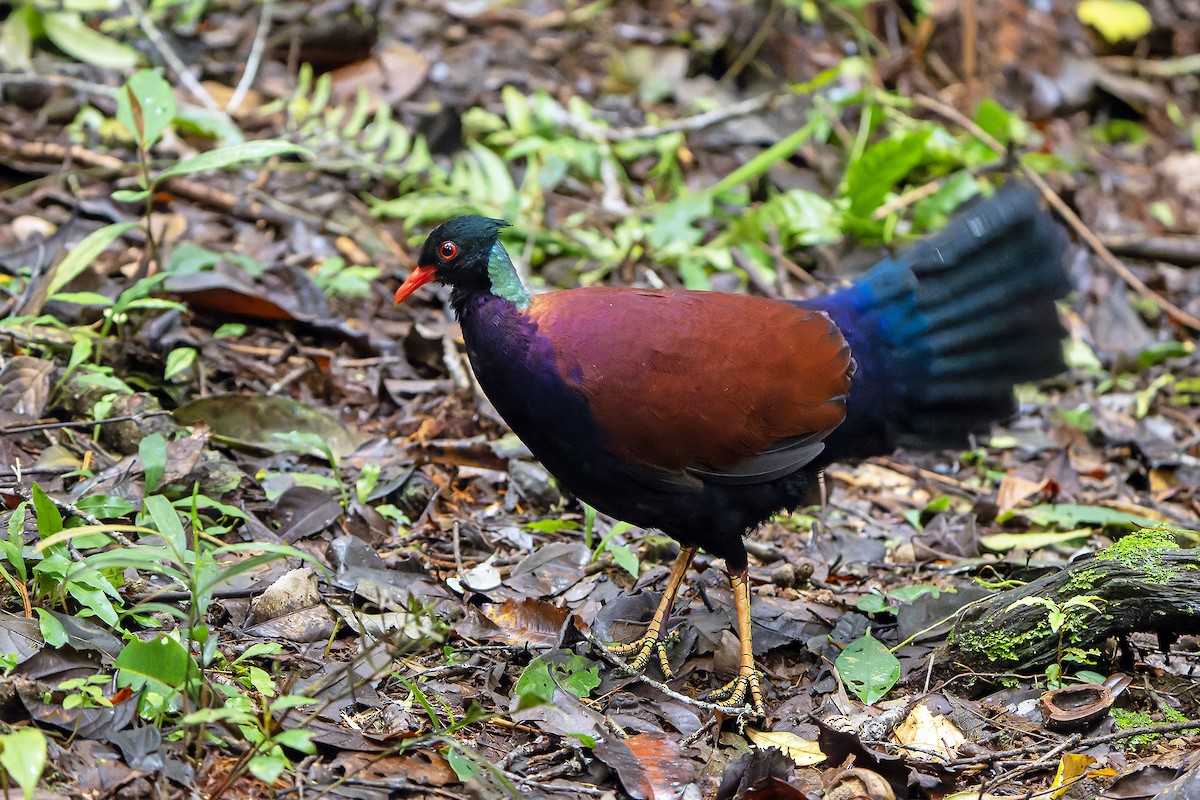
{"points": [[1143, 583]]}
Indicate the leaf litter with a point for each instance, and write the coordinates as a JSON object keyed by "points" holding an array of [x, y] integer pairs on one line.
{"points": [[352, 431]]}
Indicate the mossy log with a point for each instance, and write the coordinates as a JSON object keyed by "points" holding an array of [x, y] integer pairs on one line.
{"points": [[1142, 583]]}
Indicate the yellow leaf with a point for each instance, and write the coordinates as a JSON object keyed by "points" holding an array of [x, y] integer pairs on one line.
{"points": [[804, 752], [1071, 768], [1116, 20]]}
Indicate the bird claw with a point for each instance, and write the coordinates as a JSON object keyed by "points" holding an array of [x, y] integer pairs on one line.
{"points": [[735, 693], [644, 648]]}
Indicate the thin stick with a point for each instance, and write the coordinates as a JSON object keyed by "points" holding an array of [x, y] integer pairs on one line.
{"points": [[253, 60], [173, 60], [85, 423]]}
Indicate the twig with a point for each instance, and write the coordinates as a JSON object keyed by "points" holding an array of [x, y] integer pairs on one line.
{"points": [[1068, 216], [253, 60], [244, 209], [919, 473], [69, 508], [173, 60], [85, 423], [907, 199], [1033, 766], [574, 788], [452, 359], [1167, 68], [970, 35], [1181, 250], [64, 81], [747, 53], [1082, 744]]}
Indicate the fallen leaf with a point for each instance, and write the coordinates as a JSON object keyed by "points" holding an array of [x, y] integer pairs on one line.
{"points": [[805, 752], [929, 732]]}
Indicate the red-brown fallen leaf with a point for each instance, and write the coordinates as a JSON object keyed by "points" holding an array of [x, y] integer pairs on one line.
{"points": [[526, 621], [649, 765], [425, 768]]}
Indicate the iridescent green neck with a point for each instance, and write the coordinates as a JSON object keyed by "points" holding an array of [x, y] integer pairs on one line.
{"points": [[505, 282]]}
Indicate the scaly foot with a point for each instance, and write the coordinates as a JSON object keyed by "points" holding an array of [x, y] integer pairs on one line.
{"points": [[745, 687], [643, 649]]}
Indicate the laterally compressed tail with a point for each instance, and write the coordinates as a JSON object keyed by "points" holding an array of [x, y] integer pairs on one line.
{"points": [[942, 332]]}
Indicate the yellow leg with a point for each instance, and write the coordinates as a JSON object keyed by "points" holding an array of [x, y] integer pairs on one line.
{"points": [[748, 683], [653, 642]]}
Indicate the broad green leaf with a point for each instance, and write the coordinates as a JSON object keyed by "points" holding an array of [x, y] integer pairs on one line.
{"points": [[1003, 125], [49, 518], [463, 767], [149, 116], [268, 767], [153, 452], [537, 682], [130, 195], [907, 594], [166, 520], [876, 172], [290, 701], [179, 360], [82, 299], [71, 34], [296, 739], [1033, 540], [232, 155], [105, 506], [17, 33], [84, 254], [230, 330], [23, 756], [161, 659], [868, 668], [53, 632], [1072, 515], [872, 604], [625, 558], [1116, 20], [81, 351]]}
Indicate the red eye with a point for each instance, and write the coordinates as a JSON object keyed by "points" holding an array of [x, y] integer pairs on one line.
{"points": [[447, 251]]}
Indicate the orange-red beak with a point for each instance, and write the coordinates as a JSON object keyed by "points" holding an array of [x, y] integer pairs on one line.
{"points": [[416, 279]]}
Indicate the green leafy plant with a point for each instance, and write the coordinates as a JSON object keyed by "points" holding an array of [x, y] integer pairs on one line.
{"points": [[1059, 616], [555, 669], [84, 692], [67, 29], [621, 554]]}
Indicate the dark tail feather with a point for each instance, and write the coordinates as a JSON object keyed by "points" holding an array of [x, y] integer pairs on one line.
{"points": [[943, 332]]}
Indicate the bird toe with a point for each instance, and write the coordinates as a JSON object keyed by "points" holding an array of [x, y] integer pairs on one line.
{"points": [[641, 651], [746, 689]]}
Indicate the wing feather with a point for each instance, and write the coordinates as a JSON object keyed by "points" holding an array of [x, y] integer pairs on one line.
{"points": [[731, 388]]}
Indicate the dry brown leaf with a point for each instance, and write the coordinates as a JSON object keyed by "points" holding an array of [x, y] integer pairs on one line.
{"points": [[929, 732]]}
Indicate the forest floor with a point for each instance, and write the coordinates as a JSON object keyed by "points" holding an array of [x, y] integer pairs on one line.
{"points": [[264, 536]]}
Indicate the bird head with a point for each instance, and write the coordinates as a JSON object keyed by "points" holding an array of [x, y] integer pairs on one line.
{"points": [[457, 253]]}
